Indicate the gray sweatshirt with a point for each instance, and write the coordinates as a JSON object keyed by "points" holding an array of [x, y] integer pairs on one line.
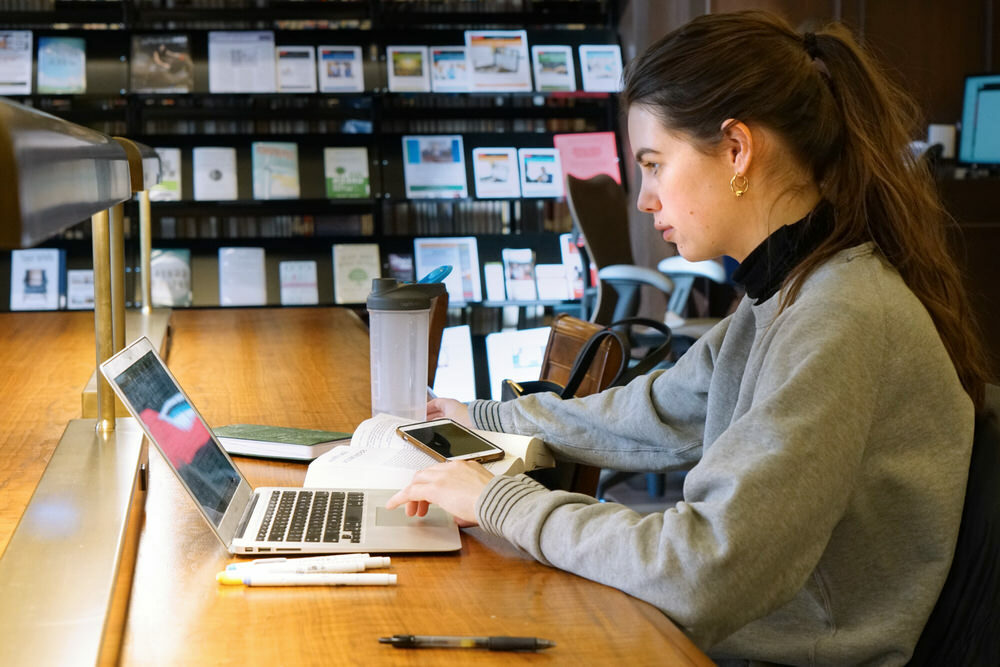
{"points": [[830, 447]]}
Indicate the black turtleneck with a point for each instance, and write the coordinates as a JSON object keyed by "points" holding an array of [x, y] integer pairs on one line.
{"points": [[765, 269]]}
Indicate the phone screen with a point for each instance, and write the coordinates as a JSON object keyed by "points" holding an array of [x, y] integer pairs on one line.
{"points": [[450, 440]]}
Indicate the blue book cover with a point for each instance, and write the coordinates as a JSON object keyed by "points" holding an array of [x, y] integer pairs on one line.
{"points": [[62, 65]]}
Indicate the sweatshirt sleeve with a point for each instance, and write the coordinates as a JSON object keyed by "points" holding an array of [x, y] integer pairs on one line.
{"points": [[770, 489]]}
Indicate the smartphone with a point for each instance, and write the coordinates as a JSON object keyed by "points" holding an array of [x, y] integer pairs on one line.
{"points": [[447, 440]]}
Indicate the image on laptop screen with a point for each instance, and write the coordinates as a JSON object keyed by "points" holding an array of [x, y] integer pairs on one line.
{"points": [[180, 434], [980, 141]]}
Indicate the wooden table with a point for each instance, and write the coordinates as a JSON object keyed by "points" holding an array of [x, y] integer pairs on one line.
{"points": [[308, 367]]}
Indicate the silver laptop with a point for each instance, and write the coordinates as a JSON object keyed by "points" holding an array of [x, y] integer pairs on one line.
{"points": [[266, 520]]}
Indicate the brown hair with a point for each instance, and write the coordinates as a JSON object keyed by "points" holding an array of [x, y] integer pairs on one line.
{"points": [[842, 118]]}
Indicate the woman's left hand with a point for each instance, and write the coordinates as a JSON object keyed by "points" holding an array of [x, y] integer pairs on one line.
{"points": [[453, 485]]}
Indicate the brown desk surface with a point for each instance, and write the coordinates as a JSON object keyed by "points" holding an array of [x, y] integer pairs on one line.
{"points": [[304, 367]]}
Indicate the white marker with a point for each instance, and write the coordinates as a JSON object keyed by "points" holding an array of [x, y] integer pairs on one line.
{"points": [[297, 566], [314, 579], [297, 562]]}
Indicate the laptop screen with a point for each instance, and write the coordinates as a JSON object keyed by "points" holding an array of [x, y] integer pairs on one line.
{"points": [[180, 434]]}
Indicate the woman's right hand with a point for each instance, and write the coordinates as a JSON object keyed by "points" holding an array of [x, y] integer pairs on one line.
{"points": [[449, 408]]}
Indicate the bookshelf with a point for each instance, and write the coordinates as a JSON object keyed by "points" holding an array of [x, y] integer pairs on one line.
{"points": [[376, 119]]}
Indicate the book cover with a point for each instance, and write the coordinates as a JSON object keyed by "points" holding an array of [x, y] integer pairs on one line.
{"points": [[541, 172], [80, 289], [408, 69], [601, 67], [214, 173], [15, 62], [62, 65], [496, 174], [161, 64], [495, 288], [170, 277], [278, 442], [551, 282], [354, 267], [341, 69], [499, 60], [169, 187], [241, 61], [275, 170], [553, 68], [572, 264], [462, 254], [241, 277], [296, 69], [519, 273], [515, 355], [401, 266], [299, 286], [434, 167], [587, 154], [38, 279], [346, 172], [449, 69]]}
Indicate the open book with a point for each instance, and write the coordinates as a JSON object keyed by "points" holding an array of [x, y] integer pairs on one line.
{"points": [[377, 458]]}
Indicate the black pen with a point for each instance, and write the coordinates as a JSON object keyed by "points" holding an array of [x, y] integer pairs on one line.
{"points": [[491, 643]]}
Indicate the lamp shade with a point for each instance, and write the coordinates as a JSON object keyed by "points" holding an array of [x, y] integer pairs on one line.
{"points": [[143, 164], [53, 174]]}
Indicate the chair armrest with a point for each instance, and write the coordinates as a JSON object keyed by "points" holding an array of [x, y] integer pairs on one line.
{"points": [[706, 269], [638, 274]]}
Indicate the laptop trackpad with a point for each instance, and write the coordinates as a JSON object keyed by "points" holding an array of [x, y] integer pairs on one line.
{"points": [[436, 517]]}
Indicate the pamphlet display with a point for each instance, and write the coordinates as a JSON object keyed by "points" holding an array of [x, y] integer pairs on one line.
{"points": [[275, 170], [499, 60], [434, 167], [80, 289], [241, 277], [341, 69], [299, 286], [587, 154], [170, 277], [572, 264], [462, 254], [601, 67], [553, 68], [551, 282], [519, 273], [449, 69], [214, 173], [496, 173], [37, 279], [161, 64], [241, 61], [296, 69], [355, 265], [408, 69], [541, 172], [169, 187], [346, 173], [62, 66], [15, 62]]}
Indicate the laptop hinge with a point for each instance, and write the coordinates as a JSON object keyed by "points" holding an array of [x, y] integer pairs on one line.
{"points": [[247, 513]]}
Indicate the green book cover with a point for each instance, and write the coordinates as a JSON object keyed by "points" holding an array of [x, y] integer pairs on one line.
{"points": [[346, 171], [285, 435]]}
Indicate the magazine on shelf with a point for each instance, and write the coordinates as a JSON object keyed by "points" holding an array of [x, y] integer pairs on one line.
{"points": [[495, 172], [296, 69], [161, 64], [553, 68], [299, 286], [462, 254], [552, 282], [169, 187], [62, 66], [275, 170], [434, 167], [401, 266], [541, 172], [15, 62], [379, 458], [499, 60], [242, 277], [80, 289], [519, 273], [493, 275], [408, 69], [587, 154], [601, 67], [241, 61], [516, 355], [214, 173], [572, 264], [346, 172], [38, 279], [170, 278], [341, 69], [449, 69], [354, 267]]}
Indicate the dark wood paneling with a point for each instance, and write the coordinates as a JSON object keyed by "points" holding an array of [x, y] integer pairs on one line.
{"points": [[804, 14]]}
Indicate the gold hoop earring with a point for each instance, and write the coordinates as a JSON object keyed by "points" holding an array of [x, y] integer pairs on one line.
{"points": [[739, 190]]}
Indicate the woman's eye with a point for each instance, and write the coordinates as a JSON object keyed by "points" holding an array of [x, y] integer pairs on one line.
{"points": [[651, 167]]}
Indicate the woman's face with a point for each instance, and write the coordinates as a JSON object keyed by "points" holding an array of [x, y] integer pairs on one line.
{"points": [[687, 191]]}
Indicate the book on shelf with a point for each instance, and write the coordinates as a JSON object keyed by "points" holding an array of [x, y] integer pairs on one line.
{"points": [[38, 279], [354, 267], [170, 277], [541, 172], [346, 172], [552, 282], [15, 62], [341, 69], [241, 61], [80, 289], [299, 286], [62, 66], [161, 64], [601, 67], [278, 442], [493, 275], [242, 279], [553, 68], [462, 254], [515, 354], [495, 172], [275, 169], [379, 458], [572, 264], [401, 266], [408, 69], [434, 167], [449, 69], [499, 60], [519, 273], [169, 187], [214, 173], [587, 154], [296, 69]]}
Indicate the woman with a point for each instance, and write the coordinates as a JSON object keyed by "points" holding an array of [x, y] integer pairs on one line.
{"points": [[828, 420]]}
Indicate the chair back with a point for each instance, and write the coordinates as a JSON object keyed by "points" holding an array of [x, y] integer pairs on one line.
{"points": [[964, 627]]}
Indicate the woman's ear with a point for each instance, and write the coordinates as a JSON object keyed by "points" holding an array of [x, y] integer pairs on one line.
{"points": [[738, 142]]}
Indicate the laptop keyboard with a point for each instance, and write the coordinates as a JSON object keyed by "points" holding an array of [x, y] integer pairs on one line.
{"points": [[313, 516]]}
